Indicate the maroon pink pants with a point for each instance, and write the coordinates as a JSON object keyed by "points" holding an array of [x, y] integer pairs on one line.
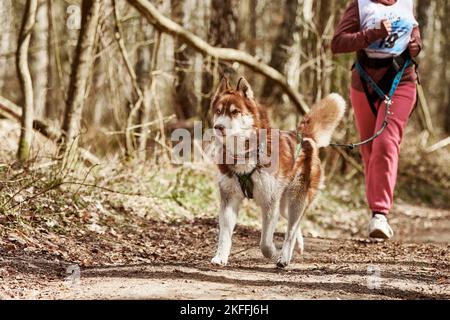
{"points": [[381, 156]]}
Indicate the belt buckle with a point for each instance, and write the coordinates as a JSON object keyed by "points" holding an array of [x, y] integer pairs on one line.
{"points": [[388, 101], [398, 62], [396, 65]]}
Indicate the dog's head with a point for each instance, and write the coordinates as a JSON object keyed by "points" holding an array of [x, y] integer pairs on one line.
{"points": [[234, 111]]}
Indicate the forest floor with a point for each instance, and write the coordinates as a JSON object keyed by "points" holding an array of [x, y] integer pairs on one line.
{"points": [[160, 260], [127, 231]]}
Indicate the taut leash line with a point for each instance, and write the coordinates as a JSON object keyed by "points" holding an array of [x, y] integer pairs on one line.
{"points": [[387, 100]]}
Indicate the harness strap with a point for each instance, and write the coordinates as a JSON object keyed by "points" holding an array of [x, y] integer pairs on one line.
{"points": [[374, 85], [369, 97], [245, 179], [384, 84], [368, 79], [386, 97], [246, 183]]}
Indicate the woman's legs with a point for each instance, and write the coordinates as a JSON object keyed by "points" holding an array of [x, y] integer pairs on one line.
{"points": [[381, 156], [365, 124]]}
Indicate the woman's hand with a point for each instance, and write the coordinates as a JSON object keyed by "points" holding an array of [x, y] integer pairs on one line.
{"points": [[386, 27], [414, 47], [384, 31]]}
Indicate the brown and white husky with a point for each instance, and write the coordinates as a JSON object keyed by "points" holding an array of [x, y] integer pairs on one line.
{"points": [[286, 188]]}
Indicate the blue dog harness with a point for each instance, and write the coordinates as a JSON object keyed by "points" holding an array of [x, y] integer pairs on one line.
{"points": [[387, 98]]}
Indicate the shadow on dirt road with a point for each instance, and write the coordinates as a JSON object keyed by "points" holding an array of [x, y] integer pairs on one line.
{"points": [[177, 267]]}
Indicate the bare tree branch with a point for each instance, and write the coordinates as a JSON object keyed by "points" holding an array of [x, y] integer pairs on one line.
{"points": [[439, 145], [166, 25], [12, 111]]}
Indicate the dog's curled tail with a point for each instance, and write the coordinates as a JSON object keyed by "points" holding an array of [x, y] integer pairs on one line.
{"points": [[320, 123]]}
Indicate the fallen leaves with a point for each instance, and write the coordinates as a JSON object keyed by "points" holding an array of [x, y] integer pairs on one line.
{"points": [[15, 238]]}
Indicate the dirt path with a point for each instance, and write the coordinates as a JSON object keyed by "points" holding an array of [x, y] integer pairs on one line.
{"points": [[177, 266]]}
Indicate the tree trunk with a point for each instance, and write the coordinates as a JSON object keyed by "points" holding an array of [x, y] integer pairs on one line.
{"points": [[253, 7], [97, 111], [325, 21], [185, 98], [51, 100], [81, 67], [57, 82], [6, 34], [423, 11], [144, 77], [252, 26], [446, 67], [39, 59], [307, 81], [280, 53], [26, 83], [137, 92], [223, 33]]}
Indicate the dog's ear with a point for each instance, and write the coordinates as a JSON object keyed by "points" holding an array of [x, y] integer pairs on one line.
{"points": [[223, 86], [245, 89]]}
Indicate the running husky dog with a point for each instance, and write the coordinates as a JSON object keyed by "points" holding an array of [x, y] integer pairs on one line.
{"points": [[288, 187]]}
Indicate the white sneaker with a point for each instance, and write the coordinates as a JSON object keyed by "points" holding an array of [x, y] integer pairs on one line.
{"points": [[379, 227]]}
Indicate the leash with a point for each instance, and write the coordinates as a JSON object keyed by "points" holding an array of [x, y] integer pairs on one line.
{"points": [[386, 97], [245, 180]]}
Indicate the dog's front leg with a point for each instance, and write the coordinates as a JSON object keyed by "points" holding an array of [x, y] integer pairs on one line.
{"points": [[229, 209], [270, 216]]}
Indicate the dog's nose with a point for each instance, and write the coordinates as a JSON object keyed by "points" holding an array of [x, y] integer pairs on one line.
{"points": [[220, 128]]}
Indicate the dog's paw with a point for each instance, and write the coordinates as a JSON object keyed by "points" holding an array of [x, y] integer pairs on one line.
{"points": [[282, 263], [269, 251], [219, 261]]}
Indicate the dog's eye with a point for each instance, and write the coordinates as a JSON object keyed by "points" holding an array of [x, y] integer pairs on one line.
{"points": [[218, 111], [235, 112]]}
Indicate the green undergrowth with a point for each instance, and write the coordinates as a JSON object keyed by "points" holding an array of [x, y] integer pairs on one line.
{"points": [[92, 196], [424, 177], [54, 199]]}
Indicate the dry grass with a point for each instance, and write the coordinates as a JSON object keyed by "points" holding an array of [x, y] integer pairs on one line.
{"points": [[44, 195]]}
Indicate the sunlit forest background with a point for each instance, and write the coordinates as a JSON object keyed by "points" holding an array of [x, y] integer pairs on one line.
{"points": [[108, 85]]}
